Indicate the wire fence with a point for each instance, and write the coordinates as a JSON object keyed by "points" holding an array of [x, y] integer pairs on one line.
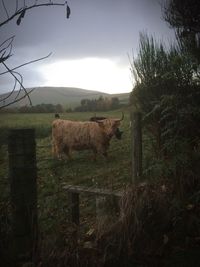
{"points": [[88, 197], [41, 189]]}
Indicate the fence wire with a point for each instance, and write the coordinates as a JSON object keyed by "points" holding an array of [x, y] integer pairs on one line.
{"points": [[87, 195]]}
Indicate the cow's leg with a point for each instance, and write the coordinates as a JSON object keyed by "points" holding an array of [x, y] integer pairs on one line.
{"points": [[105, 150], [55, 149], [68, 152], [59, 150]]}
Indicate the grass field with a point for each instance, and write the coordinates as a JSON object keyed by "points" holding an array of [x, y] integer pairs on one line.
{"points": [[113, 173], [56, 233]]}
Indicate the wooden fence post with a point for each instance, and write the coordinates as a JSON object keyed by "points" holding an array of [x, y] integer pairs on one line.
{"points": [[136, 143], [74, 207], [23, 190]]}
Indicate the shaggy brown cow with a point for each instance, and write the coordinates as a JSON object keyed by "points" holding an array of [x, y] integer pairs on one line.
{"points": [[74, 135]]}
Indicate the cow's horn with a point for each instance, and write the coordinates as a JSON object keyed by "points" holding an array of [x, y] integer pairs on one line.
{"points": [[122, 116]]}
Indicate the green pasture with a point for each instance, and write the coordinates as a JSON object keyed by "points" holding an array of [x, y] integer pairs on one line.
{"points": [[113, 173]]}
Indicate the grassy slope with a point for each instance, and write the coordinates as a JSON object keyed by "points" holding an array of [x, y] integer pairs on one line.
{"points": [[67, 96]]}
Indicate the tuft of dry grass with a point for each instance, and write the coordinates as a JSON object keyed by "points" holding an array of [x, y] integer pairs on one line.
{"points": [[150, 229]]}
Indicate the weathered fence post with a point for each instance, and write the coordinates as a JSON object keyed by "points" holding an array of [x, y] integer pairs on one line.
{"points": [[23, 190], [74, 207], [136, 142]]}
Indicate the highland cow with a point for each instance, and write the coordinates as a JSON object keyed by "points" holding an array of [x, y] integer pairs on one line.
{"points": [[75, 135]]}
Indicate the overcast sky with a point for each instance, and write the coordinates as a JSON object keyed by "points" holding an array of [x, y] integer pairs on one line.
{"points": [[89, 50]]}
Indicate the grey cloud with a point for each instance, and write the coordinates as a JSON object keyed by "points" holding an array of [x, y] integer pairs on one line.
{"points": [[96, 28]]}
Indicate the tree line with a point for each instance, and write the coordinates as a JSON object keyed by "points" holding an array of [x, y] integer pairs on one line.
{"points": [[100, 104], [40, 108]]}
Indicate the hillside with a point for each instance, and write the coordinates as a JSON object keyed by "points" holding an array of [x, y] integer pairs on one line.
{"points": [[67, 96]]}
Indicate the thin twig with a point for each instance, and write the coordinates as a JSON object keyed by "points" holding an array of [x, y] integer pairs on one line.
{"points": [[16, 6], [9, 39], [26, 94], [27, 63], [8, 44], [17, 100], [21, 83], [8, 95], [27, 8], [11, 70], [5, 9]]}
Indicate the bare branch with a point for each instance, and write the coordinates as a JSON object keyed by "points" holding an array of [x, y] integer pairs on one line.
{"points": [[7, 45], [27, 63], [26, 94], [16, 80], [25, 8], [8, 95], [17, 100], [16, 6], [9, 40], [4, 6], [21, 81], [4, 54]]}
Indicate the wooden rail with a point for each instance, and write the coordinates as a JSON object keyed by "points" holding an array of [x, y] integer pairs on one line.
{"points": [[94, 191]]}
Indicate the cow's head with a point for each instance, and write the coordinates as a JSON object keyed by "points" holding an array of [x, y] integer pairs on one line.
{"points": [[110, 126]]}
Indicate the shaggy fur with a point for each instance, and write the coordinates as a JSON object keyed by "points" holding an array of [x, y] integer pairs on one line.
{"points": [[73, 135]]}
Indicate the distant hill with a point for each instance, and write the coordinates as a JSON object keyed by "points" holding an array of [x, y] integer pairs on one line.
{"points": [[67, 96]]}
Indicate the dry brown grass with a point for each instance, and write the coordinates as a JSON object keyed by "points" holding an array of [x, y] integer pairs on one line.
{"points": [[151, 227]]}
